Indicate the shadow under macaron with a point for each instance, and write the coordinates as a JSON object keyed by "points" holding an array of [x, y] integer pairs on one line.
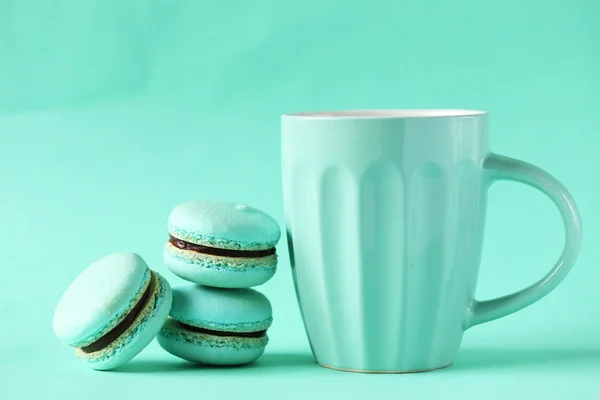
{"points": [[284, 362]]}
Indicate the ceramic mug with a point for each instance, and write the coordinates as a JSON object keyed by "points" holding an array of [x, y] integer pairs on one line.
{"points": [[385, 215]]}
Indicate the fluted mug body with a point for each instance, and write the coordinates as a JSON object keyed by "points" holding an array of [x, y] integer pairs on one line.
{"points": [[385, 214]]}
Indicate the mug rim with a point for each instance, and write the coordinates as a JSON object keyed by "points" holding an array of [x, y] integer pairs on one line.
{"points": [[387, 113]]}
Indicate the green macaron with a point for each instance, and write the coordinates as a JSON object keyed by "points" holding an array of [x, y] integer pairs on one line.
{"points": [[221, 244], [217, 326], [112, 310]]}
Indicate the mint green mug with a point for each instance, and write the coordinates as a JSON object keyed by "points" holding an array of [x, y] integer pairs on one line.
{"points": [[385, 215]]}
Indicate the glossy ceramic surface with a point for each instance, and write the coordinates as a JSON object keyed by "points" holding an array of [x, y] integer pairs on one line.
{"points": [[385, 214]]}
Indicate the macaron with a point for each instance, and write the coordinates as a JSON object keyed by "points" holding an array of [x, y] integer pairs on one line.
{"points": [[221, 244], [217, 326], [112, 310]]}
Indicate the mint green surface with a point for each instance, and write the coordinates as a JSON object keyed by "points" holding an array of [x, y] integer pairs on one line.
{"points": [[112, 113], [385, 219]]}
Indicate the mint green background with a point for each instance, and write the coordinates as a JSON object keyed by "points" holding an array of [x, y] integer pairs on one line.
{"points": [[113, 112]]}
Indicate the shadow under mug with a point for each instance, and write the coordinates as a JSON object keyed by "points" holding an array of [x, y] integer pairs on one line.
{"points": [[385, 213]]}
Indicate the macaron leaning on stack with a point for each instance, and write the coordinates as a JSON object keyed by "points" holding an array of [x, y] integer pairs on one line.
{"points": [[112, 310], [223, 249]]}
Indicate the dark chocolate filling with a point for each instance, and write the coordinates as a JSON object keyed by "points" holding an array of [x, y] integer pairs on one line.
{"points": [[257, 334], [122, 326], [214, 251]]}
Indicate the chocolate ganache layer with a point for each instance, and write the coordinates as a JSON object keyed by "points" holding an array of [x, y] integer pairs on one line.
{"points": [[122, 326], [214, 251], [257, 334]]}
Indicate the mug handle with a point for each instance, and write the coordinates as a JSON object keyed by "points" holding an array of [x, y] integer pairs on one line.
{"points": [[498, 168]]}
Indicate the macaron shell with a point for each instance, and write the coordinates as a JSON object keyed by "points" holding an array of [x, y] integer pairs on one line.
{"points": [[220, 272], [223, 224], [208, 349], [139, 335], [99, 298], [228, 310]]}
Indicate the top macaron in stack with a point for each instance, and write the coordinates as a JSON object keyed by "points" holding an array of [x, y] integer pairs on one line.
{"points": [[221, 244]]}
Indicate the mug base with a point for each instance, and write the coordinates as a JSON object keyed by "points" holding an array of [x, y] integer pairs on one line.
{"points": [[360, 371]]}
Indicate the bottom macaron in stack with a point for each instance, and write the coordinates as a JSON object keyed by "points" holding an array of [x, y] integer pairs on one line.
{"points": [[217, 326], [223, 249]]}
